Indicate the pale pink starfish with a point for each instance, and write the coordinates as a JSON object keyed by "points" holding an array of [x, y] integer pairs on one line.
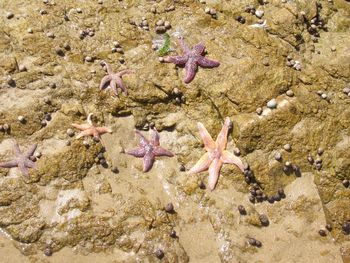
{"points": [[216, 154], [149, 149], [191, 59], [113, 80], [88, 129], [22, 161]]}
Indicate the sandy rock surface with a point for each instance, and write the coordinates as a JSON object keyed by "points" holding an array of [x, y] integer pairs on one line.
{"points": [[89, 201]]}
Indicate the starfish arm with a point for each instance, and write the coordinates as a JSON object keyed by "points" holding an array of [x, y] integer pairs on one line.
{"points": [[177, 60], [108, 67], [104, 82], [9, 164], [154, 137], [31, 150], [29, 163], [160, 151], [124, 72], [214, 172], [87, 132], [199, 48], [202, 164], [103, 130], [148, 161], [228, 157], [23, 168], [143, 140], [137, 152], [207, 63], [121, 85], [16, 148], [184, 45], [113, 85], [208, 141], [81, 127], [221, 140], [191, 69]]}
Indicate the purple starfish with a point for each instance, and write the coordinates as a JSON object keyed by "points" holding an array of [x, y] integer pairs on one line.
{"points": [[149, 149], [22, 161], [114, 79], [191, 59]]}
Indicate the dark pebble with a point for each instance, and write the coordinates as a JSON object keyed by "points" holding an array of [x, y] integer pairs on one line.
{"points": [[264, 220], [252, 199], [320, 151], [96, 139], [100, 156], [201, 185], [277, 197], [247, 180], [271, 199], [103, 161], [346, 228], [169, 208], [259, 198], [258, 243], [182, 168], [48, 117], [252, 241], [248, 173], [329, 227], [322, 233], [115, 169], [173, 234], [310, 159], [296, 169], [281, 191], [346, 183], [159, 253], [242, 210], [318, 166], [59, 51], [253, 192]]}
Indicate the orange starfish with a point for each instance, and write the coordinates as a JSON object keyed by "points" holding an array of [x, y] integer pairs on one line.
{"points": [[216, 154], [88, 129]]}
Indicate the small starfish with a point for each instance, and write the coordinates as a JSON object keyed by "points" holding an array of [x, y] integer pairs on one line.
{"points": [[216, 154], [191, 59], [113, 80], [149, 149], [88, 129], [22, 161]]}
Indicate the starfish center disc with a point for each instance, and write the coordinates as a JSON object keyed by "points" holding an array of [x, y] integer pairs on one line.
{"points": [[216, 154]]}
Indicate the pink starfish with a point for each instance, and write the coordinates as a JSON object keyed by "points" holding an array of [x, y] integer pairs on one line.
{"points": [[88, 129], [113, 80], [149, 149], [22, 161], [191, 59], [216, 154]]}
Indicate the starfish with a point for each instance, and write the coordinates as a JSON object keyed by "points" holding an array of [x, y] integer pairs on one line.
{"points": [[216, 154], [149, 149], [22, 161], [191, 59], [113, 80], [88, 129]]}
